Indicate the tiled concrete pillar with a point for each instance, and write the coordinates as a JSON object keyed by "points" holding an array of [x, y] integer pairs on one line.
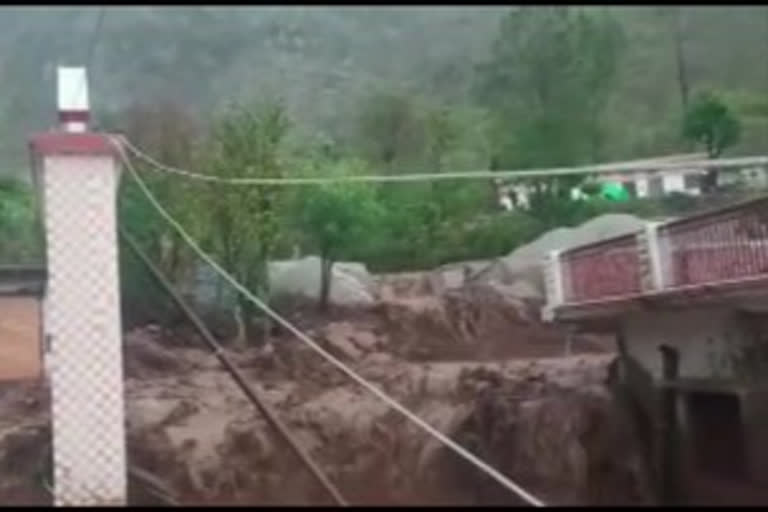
{"points": [[77, 177]]}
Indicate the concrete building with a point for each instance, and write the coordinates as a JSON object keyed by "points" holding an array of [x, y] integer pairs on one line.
{"points": [[688, 303], [656, 184], [684, 181], [646, 183], [641, 184]]}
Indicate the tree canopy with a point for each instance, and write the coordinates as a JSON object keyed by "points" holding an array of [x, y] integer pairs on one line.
{"points": [[711, 123], [383, 90]]}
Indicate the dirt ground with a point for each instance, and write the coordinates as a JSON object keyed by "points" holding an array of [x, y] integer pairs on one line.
{"points": [[471, 363], [20, 343]]}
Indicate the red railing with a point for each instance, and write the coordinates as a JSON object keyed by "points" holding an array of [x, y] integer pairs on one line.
{"points": [[605, 269], [728, 244]]}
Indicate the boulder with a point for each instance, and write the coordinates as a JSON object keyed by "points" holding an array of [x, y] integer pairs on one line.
{"points": [[351, 284], [523, 267], [339, 341]]}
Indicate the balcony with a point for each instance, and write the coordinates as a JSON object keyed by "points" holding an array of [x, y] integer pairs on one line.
{"points": [[714, 253]]}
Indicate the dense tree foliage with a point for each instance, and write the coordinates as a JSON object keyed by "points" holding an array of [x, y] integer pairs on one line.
{"points": [[323, 61], [334, 218], [381, 90], [709, 122], [242, 223], [19, 240]]}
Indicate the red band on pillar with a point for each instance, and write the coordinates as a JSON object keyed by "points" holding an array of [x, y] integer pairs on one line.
{"points": [[74, 116], [72, 144]]}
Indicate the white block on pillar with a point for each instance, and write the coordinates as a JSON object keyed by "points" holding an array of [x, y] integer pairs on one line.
{"points": [[77, 176], [72, 100]]}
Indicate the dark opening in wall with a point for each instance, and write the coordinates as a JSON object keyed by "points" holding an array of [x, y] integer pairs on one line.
{"points": [[717, 434]]}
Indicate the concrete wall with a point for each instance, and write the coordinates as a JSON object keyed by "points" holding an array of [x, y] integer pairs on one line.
{"points": [[641, 187], [706, 338], [673, 183], [755, 417], [720, 345]]}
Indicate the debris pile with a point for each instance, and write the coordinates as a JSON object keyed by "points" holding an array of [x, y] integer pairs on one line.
{"points": [[548, 423], [469, 356]]}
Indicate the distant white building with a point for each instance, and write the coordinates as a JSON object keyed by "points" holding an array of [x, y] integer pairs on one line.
{"points": [[646, 183], [657, 184], [686, 181]]}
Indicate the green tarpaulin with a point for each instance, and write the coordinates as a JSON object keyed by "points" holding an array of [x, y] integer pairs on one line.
{"points": [[614, 191]]}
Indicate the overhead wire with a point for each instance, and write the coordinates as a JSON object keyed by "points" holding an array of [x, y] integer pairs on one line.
{"points": [[93, 40], [265, 409], [619, 167], [250, 391], [409, 177], [473, 459], [391, 402]]}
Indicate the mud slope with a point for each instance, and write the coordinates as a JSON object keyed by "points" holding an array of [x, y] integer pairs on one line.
{"points": [[549, 423], [474, 362]]}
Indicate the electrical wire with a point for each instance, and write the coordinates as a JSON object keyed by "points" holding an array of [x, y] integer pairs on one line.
{"points": [[620, 167], [91, 47], [254, 395], [391, 402]]}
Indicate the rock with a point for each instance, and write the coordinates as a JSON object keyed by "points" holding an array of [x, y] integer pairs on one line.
{"points": [[445, 419], [342, 346], [451, 278], [358, 271], [520, 297], [378, 358], [344, 412], [525, 264], [455, 275], [243, 439], [351, 284], [522, 289], [365, 340], [405, 284], [342, 335], [145, 356], [148, 411]]}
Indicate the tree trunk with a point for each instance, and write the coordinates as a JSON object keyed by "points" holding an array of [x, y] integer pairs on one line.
{"points": [[219, 286], [263, 291], [249, 330], [494, 166], [240, 341], [596, 141], [678, 22], [709, 181], [326, 268], [176, 265], [765, 13], [436, 198], [266, 320]]}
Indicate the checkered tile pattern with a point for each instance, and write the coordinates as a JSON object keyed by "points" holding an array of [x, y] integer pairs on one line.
{"points": [[83, 319], [553, 284], [646, 243]]}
